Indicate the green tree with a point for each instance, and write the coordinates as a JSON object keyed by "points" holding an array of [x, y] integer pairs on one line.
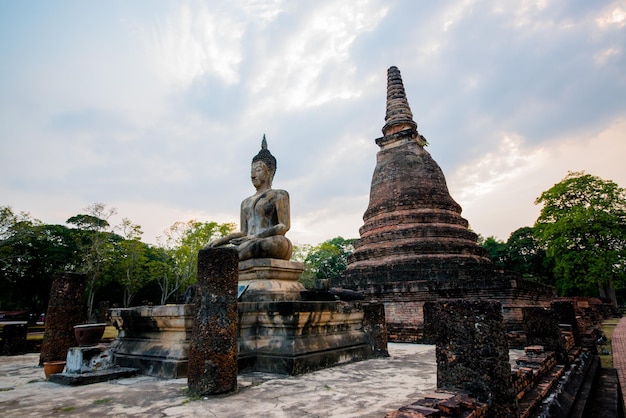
{"points": [[300, 252], [132, 261], [160, 269], [31, 253], [496, 248], [327, 260], [583, 227], [183, 240], [95, 242], [526, 255]]}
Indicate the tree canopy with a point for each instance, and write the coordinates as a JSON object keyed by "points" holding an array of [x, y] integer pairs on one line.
{"points": [[31, 253], [117, 264], [522, 253], [326, 260], [583, 227]]}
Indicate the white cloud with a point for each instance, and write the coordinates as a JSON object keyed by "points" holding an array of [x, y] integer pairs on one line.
{"points": [[265, 11], [612, 16], [497, 192], [605, 55], [339, 216], [509, 161], [197, 41], [291, 76]]}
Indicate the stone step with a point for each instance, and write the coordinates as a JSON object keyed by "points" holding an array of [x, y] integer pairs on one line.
{"points": [[605, 399]]}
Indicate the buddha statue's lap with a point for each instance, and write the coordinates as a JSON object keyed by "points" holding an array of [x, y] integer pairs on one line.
{"points": [[276, 246]]}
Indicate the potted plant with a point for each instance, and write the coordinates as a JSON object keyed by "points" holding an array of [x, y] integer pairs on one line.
{"points": [[89, 334], [53, 367]]}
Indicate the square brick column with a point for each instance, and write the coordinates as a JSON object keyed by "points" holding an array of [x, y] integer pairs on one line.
{"points": [[541, 327], [375, 327], [566, 314], [213, 345], [65, 309], [472, 351]]}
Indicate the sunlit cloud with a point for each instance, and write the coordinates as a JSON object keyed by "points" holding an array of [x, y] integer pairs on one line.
{"points": [[320, 44], [605, 55], [264, 11], [612, 17], [498, 195], [510, 161], [198, 41]]}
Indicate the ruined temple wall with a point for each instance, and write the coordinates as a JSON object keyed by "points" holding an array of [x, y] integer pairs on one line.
{"points": [[404, 306]]}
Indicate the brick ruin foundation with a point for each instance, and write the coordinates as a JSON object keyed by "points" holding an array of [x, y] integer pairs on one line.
{"points": [[477, 378]]}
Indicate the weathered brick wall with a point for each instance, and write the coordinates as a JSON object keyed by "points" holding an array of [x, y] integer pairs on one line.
{"points": [[404, 302], [472, 351]]}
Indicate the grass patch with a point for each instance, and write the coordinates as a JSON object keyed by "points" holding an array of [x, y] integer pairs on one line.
{"points": [[192, 396], [101, 401], [608, 326], [67, 409], [6, 389], [110, 332]]}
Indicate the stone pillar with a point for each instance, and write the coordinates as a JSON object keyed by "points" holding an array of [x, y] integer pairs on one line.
{"points": [[375, 327], [65, 309], [566, 314], [541, 327], [472, 351], [213, 345]]}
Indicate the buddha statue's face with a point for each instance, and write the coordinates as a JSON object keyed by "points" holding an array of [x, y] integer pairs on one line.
{"points": [[260, 175]]}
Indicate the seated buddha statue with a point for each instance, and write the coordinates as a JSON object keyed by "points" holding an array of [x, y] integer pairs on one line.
{"points": [[264, 216]]}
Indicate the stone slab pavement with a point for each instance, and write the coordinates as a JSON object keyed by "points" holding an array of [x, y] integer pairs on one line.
{"points": [[618, 345], [368, 388]]}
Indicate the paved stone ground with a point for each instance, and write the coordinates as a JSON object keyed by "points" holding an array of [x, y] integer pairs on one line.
{"points": [[364, 389], [618, 343]]}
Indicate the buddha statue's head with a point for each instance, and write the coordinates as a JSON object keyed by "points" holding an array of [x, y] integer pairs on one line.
{"points": [[266, 157]]}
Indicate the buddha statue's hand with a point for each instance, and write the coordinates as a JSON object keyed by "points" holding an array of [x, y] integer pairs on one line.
{"points": [[241, 240], [218, 242], [210, 244]]}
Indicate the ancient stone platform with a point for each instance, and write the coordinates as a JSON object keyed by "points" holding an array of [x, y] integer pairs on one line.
{"points": [[270, 279], [154, 339], [280, 333]]}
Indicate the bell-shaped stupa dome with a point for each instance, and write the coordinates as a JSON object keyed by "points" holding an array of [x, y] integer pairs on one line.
{"points": [[413, 229]]}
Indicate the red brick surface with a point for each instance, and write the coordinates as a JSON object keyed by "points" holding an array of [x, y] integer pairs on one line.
{"points": [[618, 341]]}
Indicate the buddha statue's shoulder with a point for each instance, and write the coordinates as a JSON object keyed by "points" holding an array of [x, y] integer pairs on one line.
{"points": [[276, 194], [280, 192]]}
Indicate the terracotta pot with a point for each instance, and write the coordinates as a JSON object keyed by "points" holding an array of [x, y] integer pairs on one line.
{"points": [[53, 367], [88, 334]]}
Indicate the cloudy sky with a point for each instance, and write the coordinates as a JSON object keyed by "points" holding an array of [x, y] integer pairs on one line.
{"points": [[157, 107]]}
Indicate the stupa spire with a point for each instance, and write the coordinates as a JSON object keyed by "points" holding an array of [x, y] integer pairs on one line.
{"points": [[398, 116]]}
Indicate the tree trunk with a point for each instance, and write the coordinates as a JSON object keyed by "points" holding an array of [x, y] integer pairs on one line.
{"points": [[607, 291]]}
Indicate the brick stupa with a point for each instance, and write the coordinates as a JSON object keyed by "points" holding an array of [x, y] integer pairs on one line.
{"points": [[414, 245], [412, 226]]}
